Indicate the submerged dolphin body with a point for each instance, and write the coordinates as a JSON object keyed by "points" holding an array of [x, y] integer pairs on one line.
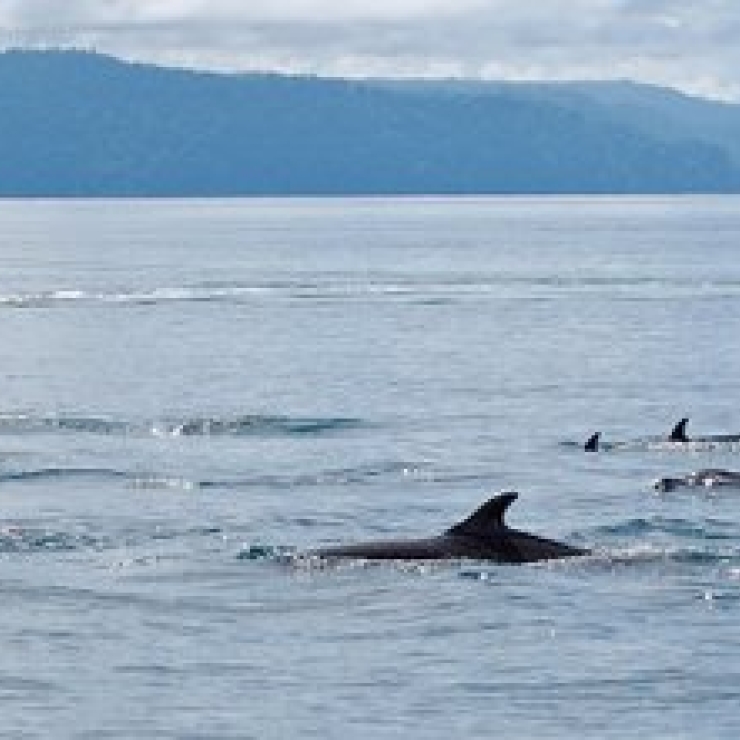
{"points": [[482, 536], [709, 478]]}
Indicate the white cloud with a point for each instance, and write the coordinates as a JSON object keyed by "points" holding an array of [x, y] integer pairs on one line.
{"points": [[688, 45]]}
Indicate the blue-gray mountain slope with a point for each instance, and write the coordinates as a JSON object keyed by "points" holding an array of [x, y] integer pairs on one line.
{"points": [[83, 124]]}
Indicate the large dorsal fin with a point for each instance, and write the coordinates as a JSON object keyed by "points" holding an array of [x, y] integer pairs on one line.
{"points": [[592, 443], [679, 431], [487, 518]]}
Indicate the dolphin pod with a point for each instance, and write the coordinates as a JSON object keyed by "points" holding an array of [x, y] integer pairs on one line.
{"points": [[482, 536], [485, 536], [678, 435]]}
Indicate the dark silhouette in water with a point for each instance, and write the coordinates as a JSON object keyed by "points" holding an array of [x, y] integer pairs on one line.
{"points": [[482, 536], [709, 478], [679, 435]]}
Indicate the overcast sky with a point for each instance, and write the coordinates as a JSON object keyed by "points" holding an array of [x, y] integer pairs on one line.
{"points": [[694, 46]]}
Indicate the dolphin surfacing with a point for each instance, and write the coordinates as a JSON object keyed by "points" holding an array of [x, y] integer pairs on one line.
{"points": [[707, 478], [482, 536], [679, 435]]}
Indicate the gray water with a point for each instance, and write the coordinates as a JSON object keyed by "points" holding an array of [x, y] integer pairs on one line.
{"points": [[194, 391]]}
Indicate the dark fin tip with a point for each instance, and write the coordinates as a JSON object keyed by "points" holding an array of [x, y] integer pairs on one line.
{"points": [[679, 431], [592, 443]]}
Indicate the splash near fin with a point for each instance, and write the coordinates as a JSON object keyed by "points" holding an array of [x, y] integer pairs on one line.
{"points": [[592, 443], [679, 431], [486, 519]]}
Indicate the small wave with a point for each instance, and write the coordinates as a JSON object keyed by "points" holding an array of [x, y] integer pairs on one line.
{"points": [[162, 295], [18, 539], [254, 425], [163, 482], [257, 552], [245, 425], [360, 475], [664, 540], [36, 474], [134, 479], [348, 287], [652, 553], [21, 423], [41, 299], [707, 529], [319, 290], [152, 480]]}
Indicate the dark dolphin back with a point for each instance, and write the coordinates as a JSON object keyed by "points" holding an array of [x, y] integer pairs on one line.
{"points": [[487, 520], [495, 541], [482, 536]]}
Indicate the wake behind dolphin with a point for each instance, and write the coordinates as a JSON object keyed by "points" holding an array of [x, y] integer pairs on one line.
{"points": [[482, 536]]}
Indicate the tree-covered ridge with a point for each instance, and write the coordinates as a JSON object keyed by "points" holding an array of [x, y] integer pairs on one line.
{"points": [[83, 124]]}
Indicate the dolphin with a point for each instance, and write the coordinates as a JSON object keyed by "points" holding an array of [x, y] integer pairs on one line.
{"points": [[678, 434], [709, 478], [592, 443], [482, 536]]}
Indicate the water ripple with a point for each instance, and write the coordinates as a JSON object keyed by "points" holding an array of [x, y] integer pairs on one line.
{"points": [[265, 425], [347, 287], [34, 539], [704, 529], [388, 471]]}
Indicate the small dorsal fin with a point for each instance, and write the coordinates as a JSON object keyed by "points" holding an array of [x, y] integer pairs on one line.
{"points": [[487, 518], [592, 443], [679, 431]]}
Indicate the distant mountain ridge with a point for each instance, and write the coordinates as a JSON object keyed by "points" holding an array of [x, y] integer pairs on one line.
{"points": [[83, 124]]}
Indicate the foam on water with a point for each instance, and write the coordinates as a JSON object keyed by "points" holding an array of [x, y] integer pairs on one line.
{"points": [[207, 426], [384, 286]]}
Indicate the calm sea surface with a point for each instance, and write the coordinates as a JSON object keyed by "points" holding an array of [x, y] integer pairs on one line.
{"points": [[192, 391]]}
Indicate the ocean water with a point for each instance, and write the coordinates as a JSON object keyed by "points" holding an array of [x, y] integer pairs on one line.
{"points": [[191, 392]]}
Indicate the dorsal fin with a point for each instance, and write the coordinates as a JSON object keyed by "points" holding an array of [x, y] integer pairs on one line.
{"points": [[679, 431], [487, 518], [592, 443]]}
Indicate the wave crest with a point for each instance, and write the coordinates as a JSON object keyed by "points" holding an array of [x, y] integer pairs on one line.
{"points": [[398, 286], [206, 426]]}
